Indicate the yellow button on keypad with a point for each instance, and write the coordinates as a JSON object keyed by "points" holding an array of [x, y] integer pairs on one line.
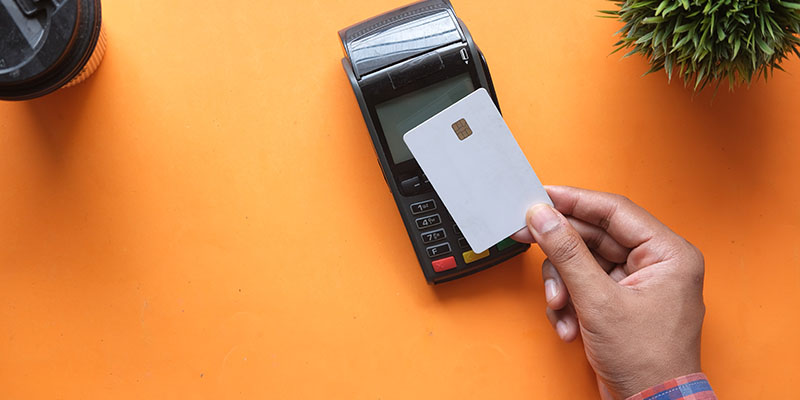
{"points": [[471, 256]]}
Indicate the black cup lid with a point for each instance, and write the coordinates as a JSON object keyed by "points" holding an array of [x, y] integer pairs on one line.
{"points": [[44, 44]]}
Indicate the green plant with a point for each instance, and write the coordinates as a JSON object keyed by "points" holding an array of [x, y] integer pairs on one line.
{"points": [[708, 41]]}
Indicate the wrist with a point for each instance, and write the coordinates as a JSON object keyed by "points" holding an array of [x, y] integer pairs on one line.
{"points": [[693, 386], [654, 369]]}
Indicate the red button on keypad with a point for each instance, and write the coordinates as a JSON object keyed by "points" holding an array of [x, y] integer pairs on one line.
{"points": [[444, 264]]}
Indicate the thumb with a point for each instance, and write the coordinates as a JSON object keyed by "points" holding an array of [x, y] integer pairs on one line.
{"points": [[586, 281]]}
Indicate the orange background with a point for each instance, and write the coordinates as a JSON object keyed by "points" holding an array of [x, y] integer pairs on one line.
{"points": [[204, 219]]}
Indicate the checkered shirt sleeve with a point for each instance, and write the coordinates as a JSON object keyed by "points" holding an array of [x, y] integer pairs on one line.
{"points": [[689, 387]]}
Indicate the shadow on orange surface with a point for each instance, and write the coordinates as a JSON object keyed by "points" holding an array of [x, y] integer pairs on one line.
{"points": [[56, 116], [507, 278]]}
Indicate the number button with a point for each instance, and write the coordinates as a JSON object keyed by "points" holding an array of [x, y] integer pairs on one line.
{"points": [[457, 230], [429, 221], [439, 250], [433, 236], [463, 243], [423, 207]]}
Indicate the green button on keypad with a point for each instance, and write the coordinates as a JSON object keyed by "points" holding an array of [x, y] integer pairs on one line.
{"points": [[506, 243]]}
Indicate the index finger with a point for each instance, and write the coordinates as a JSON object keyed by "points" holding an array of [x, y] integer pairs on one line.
{"points": [[626, 222]]}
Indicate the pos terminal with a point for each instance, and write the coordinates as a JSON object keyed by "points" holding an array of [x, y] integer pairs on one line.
{"points": [[406, 66]]}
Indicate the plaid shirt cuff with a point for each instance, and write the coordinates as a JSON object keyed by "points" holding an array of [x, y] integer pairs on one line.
{"points": [[689, 387]]}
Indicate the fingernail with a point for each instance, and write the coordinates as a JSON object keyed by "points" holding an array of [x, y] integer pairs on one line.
{"points": [[543, 218], [561, 329], [550, 290]]}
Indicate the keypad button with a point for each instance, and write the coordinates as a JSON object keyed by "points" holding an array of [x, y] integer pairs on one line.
{"points": [[429, 221], [506, 243], [462, 243], [457, 230], [444, 264], [433, 236], [471, 256], [423, 207], [411, 186], [438, 250]]}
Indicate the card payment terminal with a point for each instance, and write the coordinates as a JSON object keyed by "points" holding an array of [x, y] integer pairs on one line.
{"points": [[406, 66]]}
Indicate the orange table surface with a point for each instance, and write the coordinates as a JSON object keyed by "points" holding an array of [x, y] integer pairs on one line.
{"points": [[204, 218]]}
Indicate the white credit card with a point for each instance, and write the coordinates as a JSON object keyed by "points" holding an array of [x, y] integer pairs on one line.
{"points": [[477, 169]]}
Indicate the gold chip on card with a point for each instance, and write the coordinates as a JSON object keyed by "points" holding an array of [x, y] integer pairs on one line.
{"points": [[462, 129]]}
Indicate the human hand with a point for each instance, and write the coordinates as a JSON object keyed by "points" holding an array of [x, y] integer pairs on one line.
{"points": [[630, 286]]}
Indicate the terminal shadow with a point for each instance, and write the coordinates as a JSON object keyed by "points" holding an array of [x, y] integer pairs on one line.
{"points": [[517, 277]]}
